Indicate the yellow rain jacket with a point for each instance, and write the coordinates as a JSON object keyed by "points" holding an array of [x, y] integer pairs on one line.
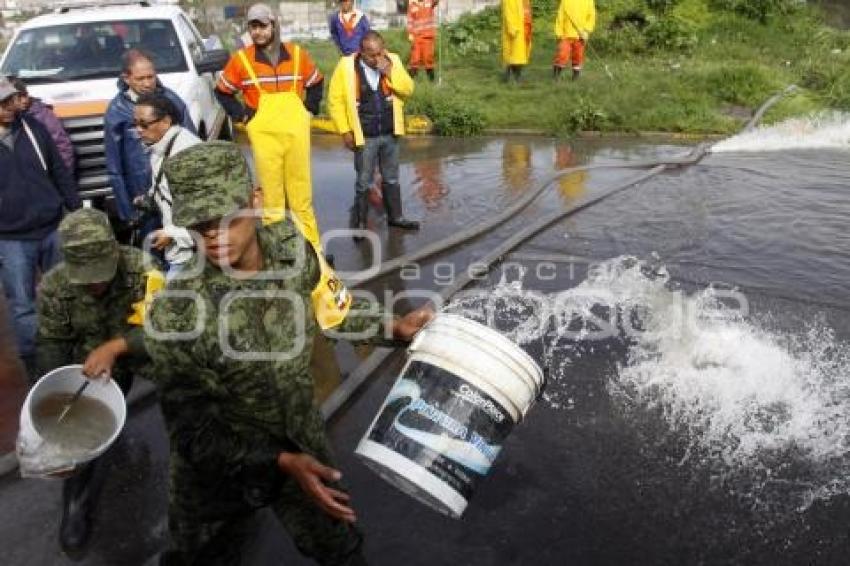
{"points": [[516, 47], [342, 96], [574, 17]]}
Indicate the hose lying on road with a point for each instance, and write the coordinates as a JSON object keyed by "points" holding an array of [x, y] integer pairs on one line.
{"points": [[362, 372]]}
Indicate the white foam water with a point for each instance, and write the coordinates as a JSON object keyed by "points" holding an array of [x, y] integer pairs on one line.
{"points": [[822, 131], [754, 406]]}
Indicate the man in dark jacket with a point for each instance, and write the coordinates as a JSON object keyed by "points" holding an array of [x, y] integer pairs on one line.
{"points": [[127, 161], [35, 186]]}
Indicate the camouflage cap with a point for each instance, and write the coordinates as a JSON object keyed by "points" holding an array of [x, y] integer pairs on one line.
{"points": [[89, 246], [208, 181]]}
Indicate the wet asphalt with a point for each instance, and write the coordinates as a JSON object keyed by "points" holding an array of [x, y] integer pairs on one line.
{"points": [[576, 485]]}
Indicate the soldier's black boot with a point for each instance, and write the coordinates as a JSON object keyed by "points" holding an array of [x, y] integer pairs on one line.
{"points": [[392, 202], [576, 74], [79, 495], [359, 213], [556, 72], [430, 73], [517, 69]]}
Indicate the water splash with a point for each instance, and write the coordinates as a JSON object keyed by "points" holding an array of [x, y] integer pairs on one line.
{"points": [[822, 131], [760, 408], [762, 411]]}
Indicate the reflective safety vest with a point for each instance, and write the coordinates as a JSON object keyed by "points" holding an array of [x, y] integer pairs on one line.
{"points": [[422, 18], [281, 78]]}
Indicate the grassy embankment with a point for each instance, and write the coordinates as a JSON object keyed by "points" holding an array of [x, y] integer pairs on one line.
{"points": [[693, 66]]}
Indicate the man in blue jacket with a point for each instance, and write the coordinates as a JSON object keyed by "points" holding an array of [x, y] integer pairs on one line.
{"points": [[127, 161], [347, 27], [35, 187]]}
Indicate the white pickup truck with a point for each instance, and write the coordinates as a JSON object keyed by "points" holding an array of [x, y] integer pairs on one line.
{"points": [[71, 59]]}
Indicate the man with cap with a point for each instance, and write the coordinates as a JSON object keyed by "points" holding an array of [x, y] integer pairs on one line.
{"points": [[281, 87], [232, 334], [91, 310], [35, 190]]}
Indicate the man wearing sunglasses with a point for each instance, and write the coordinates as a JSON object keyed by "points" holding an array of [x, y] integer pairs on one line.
{"points": [[36, 188], [231, 340]]}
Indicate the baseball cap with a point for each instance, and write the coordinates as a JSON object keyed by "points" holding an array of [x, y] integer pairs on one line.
{"points": [[7, 89], [259, 13]]}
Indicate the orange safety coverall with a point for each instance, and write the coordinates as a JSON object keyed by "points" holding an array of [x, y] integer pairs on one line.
{"points": [[422, 29]]}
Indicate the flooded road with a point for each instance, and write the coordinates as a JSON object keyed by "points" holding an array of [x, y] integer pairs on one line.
{"points": [[695, 331]]}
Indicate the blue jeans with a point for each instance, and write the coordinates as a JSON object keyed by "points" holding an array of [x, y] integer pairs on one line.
{"points": [[381, 151], [20, 261]]}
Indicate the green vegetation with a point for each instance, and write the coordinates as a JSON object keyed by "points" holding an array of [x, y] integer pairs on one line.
{"points": [[693, 66]]}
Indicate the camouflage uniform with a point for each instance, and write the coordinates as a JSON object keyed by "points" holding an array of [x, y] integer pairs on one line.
{"points": [[72, 322], [229, 417]]}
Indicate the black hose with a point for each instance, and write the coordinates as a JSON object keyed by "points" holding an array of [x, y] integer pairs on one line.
{"points": [[361, 373]]}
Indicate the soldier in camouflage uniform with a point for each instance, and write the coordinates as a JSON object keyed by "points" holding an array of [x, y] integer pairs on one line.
{"points": [[244, 430], [91, 311]]}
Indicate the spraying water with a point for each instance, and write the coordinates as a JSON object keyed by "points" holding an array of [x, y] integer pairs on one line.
{"points": [[822, 131], [711, 388]]}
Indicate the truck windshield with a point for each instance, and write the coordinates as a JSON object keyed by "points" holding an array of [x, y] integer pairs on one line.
{"points": [[91, 50]]}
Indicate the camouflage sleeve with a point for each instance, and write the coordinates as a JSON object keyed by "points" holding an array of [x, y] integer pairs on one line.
{"points": [[55, 337], [365, 323]]}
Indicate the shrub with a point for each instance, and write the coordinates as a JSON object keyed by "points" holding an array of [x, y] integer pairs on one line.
{"points": [[450, 115], [760, 10], [671, 34], [625, 41], [581, 115], [662, 6], [472, 32], [748, 85]]}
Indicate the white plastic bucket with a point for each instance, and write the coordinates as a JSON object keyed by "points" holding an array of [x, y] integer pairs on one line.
{"points": [[36, 456], [441, 427]]}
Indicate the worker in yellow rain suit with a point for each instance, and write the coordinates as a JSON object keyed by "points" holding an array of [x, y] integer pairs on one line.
{"points": [[277, 81], [516, 36], [573, 24]]}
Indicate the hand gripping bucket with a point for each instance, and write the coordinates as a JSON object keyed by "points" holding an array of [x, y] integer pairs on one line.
{"points": [[444, 422], [39, 458]]}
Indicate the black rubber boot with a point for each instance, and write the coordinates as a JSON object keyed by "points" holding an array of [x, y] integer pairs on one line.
{"points": [[430, 73], [392, 202], [359, 213], [576, 74], [517, 72], [79, 496], [556, 72]]}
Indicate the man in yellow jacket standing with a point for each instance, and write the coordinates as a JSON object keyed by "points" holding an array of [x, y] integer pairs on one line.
{"points": [[366, 103], [573, 24], [516, 36]]}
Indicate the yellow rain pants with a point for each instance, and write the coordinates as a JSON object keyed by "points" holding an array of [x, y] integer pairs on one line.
{"points": [[280, 139]]}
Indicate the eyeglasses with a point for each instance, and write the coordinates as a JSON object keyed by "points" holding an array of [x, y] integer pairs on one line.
{"points": [[143, 125]]}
